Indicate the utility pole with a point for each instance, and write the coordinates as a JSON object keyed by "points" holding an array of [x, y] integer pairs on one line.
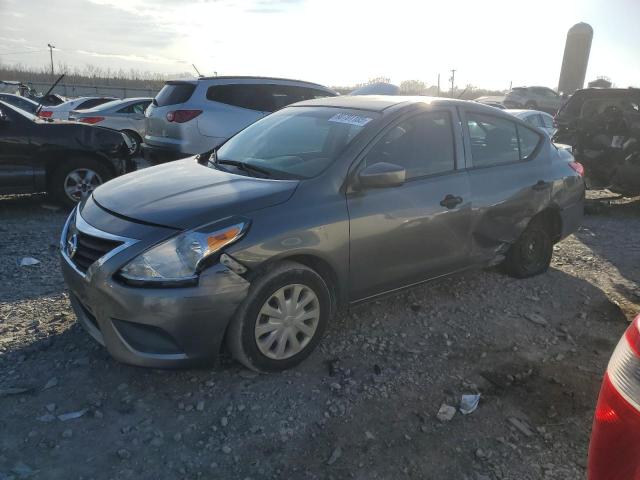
{"points": [[453, 80], [438, 84], [51, 47]]}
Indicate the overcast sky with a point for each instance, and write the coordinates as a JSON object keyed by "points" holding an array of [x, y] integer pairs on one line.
{"points": [[334, 42]]}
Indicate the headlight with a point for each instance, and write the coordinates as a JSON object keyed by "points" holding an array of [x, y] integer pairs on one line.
{"points": [[179, 259]]}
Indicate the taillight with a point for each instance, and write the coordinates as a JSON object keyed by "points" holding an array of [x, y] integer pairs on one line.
{"points": [[91, 120], [45, 113], [578, 167], [181, 116], [615, 438]]}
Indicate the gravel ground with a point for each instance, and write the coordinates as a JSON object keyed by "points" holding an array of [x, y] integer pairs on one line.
{"points": [[362, 406]]}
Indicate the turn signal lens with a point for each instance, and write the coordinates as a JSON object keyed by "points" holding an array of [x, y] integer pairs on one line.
{"points": [[45, 113], [218, 240]]}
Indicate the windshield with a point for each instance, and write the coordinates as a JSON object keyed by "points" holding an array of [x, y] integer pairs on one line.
{"points": [[297, 142]]}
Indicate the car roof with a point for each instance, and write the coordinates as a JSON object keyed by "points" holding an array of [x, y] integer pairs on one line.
{"points": [[248, 77], [380, 103], [522, 111], [594, 91], [18, 96]]}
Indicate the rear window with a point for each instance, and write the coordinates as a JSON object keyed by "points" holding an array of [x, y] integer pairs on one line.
{"points": [[262, 98], [94, 102], [174, 93]]}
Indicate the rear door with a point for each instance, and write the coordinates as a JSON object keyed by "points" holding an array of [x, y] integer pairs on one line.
{"points": [[510, 179], [419, 230]]}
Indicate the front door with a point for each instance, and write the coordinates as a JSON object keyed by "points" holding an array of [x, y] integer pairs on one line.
{"points": [[419, 230], [16, 168]]}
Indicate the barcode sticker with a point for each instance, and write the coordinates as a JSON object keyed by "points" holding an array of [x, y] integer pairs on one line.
{"points": [[350, 119]]}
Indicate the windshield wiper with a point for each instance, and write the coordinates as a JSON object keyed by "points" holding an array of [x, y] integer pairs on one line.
{"points": [[244, 166]]}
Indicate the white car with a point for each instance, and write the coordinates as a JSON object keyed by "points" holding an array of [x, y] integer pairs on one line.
{"points": [[61, 112], [542, 120]]}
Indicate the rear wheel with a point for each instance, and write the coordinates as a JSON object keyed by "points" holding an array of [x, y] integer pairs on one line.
{"points": [[282, 319], [77, 178], [532, 252]]}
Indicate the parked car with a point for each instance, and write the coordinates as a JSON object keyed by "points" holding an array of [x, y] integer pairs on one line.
{"points": [[22, 103], [126, 116], [615, 436], [492, 101], [188, 117], [534, 98], [603, 127], [61, 111], [68, 160], [535, 118], [328, 202]]}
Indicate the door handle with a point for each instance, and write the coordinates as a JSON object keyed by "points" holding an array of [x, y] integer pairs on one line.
{"points": [[541, 185], [451, 201]]}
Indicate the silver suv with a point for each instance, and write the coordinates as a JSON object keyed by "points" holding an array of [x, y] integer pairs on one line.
{"points": [[534, 98], [189, 117]]}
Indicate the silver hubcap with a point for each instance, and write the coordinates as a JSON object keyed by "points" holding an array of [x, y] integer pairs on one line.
{"points": [[81, 182], [287, 321]]}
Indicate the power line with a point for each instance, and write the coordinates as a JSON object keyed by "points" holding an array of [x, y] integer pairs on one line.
{"points": [[22, 53]]}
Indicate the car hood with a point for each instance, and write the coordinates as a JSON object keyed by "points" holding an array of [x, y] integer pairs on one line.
{"points": [[185, 194]]}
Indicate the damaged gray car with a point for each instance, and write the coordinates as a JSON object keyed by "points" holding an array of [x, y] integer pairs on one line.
{"points": [[325, 203]]}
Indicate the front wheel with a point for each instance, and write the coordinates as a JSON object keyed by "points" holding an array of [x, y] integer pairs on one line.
{"points": [[531, 254], [77, 178], [282, 319], [136, 141]]}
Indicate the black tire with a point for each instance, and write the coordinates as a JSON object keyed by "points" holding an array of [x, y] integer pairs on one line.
{"points": [[532, 252], [240, 337], [59, 176], [135, 138]]}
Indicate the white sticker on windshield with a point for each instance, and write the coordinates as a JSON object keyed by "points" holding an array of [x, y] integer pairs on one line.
{"points": [[350, 119]]}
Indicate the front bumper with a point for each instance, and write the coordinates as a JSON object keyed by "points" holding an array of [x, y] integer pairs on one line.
{"points": [[152, 327]]}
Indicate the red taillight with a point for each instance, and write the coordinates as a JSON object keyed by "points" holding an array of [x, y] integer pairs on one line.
{"points": [[45, 113], [578, 167], [181, 116], [615, 438], [91, 120]]}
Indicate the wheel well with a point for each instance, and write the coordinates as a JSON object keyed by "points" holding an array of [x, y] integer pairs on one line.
{"points": [[133, 132], [324, 269], [551, 217]]}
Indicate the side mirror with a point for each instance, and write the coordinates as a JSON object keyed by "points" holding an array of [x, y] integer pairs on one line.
{"points": [[381, 175]]}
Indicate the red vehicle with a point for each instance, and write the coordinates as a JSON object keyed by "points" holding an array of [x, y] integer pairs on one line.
{"points": [[614, 452]]}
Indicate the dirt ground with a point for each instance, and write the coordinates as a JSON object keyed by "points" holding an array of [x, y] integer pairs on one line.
{"points": [[363, 406]]}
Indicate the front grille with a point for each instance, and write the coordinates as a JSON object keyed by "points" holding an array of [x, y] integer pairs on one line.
{"points": [[90, 249]]}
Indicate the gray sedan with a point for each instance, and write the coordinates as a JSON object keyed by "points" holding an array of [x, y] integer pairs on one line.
{"points": [[126, 116], [322, 204]]}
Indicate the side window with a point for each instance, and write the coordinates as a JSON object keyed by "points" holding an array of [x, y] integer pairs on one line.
{"points": [[252, 97], [528, 140], [496, 141], [547, 121], [493, 140], [533, 120], [423, 145], [137, 108]]}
